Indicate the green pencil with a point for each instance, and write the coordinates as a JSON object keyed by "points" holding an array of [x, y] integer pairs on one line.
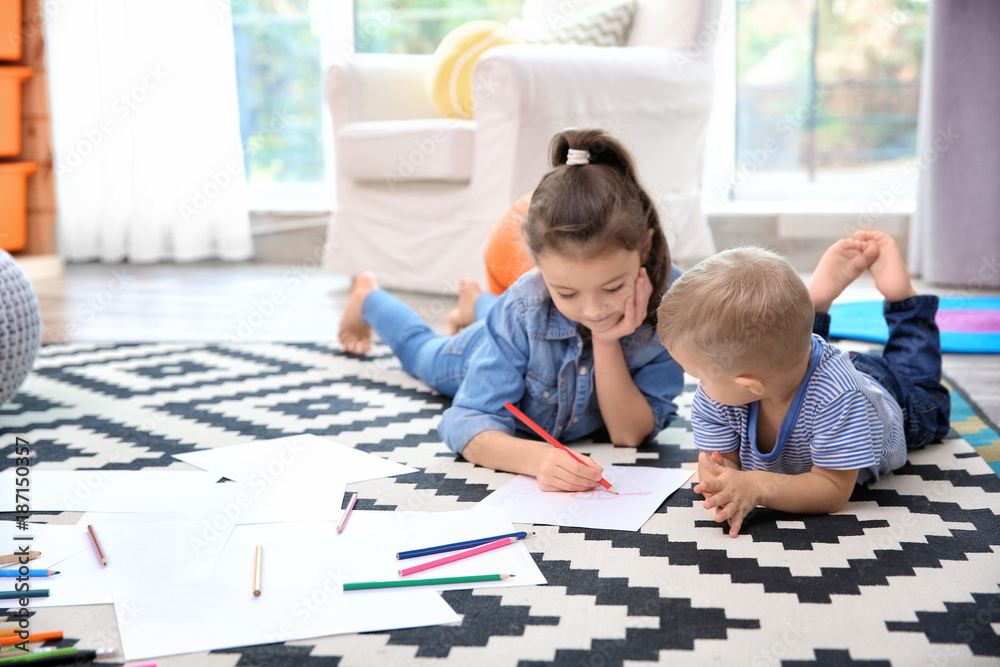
{"points": [[13, 595], [426, 582]]}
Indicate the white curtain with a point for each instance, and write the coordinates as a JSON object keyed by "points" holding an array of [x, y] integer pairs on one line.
{"points": [[146, 138]]}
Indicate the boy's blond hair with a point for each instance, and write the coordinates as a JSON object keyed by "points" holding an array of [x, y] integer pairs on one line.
{"points": [[745, 310]]}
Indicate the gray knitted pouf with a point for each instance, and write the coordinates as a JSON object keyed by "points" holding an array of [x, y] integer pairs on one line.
{"points": [[20, 327]]}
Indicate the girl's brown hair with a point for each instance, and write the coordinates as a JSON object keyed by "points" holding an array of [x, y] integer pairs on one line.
{"points": [[589, 209]]}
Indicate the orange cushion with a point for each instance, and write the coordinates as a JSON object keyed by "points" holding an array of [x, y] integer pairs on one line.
{"points": [[507, 257]]}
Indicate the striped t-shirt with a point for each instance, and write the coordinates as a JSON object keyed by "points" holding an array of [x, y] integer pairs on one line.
{"points": [[840, 418]]}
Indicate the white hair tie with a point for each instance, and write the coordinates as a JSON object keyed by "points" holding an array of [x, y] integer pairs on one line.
{"points": [[575, 156]]}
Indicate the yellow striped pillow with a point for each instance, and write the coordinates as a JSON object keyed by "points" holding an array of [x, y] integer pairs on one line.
{"points": [[449, 80]]}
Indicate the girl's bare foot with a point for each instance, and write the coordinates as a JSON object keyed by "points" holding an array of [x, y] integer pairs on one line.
{"points": [[464, 313], [355, 335], [840, 265], [892, 278]]}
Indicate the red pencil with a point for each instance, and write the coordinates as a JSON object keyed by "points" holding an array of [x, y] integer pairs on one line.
{"points": [[489, 546], [552, 441]]}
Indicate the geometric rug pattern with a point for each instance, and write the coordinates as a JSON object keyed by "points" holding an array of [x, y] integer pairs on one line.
{"points": [[908, 573]]}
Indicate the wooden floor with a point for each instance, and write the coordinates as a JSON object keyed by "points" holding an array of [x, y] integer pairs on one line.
{"points": [[277, 302]]}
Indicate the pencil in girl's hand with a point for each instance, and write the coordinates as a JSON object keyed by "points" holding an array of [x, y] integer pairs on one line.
{"points": [[552, 441], [459, 556], [97, 543]]}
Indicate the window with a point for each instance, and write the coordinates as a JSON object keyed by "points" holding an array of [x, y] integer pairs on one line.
{"points": [[278, 77], [418, 26], [826, 96]]}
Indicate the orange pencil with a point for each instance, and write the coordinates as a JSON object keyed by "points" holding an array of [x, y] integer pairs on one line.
{"points": [[12, 630], [552, 441], [37, 637]]}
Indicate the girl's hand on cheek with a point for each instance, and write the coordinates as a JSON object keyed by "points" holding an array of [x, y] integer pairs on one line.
{"points": [[635, 310]]}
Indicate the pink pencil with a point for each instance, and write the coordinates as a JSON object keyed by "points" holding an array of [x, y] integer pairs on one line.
{"points": [[459, 556]]}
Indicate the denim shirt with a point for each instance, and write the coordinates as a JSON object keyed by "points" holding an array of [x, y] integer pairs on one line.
{"points": [[535, 357]]}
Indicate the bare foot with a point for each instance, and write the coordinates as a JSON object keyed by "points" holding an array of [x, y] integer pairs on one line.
{"points": [[892, 278], [464, 313], [840, 265], [355, 335]]}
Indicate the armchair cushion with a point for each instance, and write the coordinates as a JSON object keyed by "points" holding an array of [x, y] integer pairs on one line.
{"points": [[391, 151], [606, 25], [449, 80]]}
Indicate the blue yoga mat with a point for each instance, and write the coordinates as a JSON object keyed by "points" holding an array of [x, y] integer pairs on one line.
{"points": [[969, 324]]}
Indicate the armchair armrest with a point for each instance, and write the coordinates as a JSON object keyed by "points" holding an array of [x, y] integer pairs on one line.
{"points": [[371, 87]]}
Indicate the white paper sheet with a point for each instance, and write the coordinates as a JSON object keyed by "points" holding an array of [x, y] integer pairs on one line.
{"points": [[304, 455], [70, 550], [301, 594], [641, 490], [113, 490]]}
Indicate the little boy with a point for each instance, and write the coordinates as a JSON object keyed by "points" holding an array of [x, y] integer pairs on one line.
{"points": [[783, 418]]}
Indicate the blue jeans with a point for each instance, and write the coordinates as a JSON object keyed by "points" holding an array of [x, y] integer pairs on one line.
{"points": [[909, 366], [439, 361]]}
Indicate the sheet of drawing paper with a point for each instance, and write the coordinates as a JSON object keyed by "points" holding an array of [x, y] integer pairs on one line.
{"points": [[301, 596], [306, 455], [436, 528], [114, 490], [68, 549], [640, 491], [284, 497]]}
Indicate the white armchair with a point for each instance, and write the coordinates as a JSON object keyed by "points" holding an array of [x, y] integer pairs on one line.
{"points": [[418, 193]]}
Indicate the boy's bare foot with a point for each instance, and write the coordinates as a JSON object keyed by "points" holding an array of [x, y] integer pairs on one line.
{"points": [[892, 278], [355, 335], [464, 313], [840, 265]]}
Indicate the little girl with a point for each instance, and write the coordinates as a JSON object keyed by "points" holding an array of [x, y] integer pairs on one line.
{"points": [[572, 343]]}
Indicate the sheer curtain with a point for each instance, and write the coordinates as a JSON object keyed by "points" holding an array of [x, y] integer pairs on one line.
{"points": [[146, 138], [955, 235]]}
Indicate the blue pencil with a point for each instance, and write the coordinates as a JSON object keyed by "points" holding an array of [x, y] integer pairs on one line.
{"points": [[455, 546], [31, 573]]}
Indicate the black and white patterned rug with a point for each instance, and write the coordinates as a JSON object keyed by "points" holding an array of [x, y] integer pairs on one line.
{"points": [[908, 574]]}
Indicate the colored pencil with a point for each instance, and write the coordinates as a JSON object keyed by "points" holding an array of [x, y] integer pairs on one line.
{"points": [[37, 637], [13, 595], [459, 556], [31, 573], [97, 543], [258, 557], [552, 441], [57, 656], [426, 582], [347, 513], [10, 559], [455, 546], [12, 630]]}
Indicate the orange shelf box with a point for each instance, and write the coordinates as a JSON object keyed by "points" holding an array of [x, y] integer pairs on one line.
{"points": [[10, 108], [14, 203]]}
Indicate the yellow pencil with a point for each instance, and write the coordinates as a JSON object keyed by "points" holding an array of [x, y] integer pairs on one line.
{"points": [[256, 570]]}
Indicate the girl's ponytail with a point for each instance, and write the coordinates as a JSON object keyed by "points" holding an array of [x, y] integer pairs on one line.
{"points": [[591, 200]]}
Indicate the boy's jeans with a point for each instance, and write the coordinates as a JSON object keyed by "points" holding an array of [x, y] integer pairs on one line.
{"points": [[909, 367]]}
